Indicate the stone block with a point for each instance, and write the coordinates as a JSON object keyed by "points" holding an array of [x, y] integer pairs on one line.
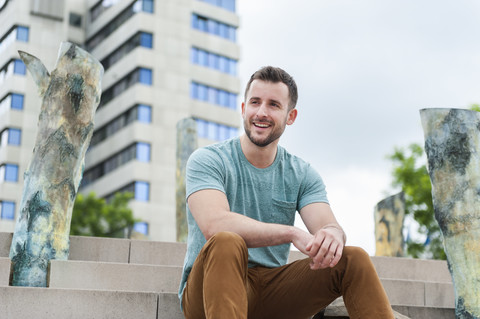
{"points": [[5, 266], [157, 253], [99, 249], [5, 243], [412, 269], [48, 303], [114, 276], [403, 292], [425, 312], [440, 295], [169, 306]]}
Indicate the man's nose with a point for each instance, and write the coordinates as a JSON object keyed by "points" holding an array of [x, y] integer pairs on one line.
{"points": [[262, 110]]}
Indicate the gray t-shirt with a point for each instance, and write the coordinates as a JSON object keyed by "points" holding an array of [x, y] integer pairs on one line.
{"points": [[270, 195]]}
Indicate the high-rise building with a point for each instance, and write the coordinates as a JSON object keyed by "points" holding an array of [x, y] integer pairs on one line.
{"points": [[164, 60]]}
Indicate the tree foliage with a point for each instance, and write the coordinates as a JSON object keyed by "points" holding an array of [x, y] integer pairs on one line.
{"points": [[412, 177], [93, 216]]}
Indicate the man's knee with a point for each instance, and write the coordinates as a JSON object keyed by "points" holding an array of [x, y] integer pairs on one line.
{"points": [[226, 243], [357, 257]]}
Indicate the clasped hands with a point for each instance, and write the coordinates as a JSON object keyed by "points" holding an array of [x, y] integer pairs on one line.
{"points": [[324, 248]]}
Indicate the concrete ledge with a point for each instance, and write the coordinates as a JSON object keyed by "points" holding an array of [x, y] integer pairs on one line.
{"points": [[425, 312], [5, 243], [157, 253], [48, 303], [5, 266], [114, 276], [412, 269], [419, 293], [169, 306], [439, 295], [99, 249]]}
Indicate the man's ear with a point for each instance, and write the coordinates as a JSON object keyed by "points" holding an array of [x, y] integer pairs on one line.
{"points": [[292, 115], [243, 109]]}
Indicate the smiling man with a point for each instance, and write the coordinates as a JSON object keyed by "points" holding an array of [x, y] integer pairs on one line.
{"points": [[242, 197]]}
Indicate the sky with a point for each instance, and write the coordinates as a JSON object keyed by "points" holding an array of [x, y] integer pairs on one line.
{"points": [[364, 69]]}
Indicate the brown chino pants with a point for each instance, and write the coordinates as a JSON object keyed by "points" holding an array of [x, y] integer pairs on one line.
{"points": [[221, 286]]}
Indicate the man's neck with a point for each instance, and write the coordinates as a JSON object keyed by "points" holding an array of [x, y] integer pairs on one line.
{"points": [[260, 157]]}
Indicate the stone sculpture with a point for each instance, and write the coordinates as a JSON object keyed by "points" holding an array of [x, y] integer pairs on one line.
{"points": [[452, 144], [389, 218], [186, 144], [70, 95]]}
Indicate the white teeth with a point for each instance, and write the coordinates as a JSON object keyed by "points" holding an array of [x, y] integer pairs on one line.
{"points": [[261, 125]]}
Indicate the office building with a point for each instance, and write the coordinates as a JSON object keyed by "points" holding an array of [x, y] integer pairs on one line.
{"points": [[164, 60]]}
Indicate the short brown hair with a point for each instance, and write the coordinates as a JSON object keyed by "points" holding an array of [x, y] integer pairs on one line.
{"points": [[275, 75]]}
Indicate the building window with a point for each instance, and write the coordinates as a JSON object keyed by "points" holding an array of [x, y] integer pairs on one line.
{"points": [[100, 7], [9, 172], [115, 23], [225, 4], [7, 210], [139, 112], [19, 67], [139, 151], [214, 61], [75, 20], [141, 75], [145, 76], [141, 227], [141, 191], [16, 33], [213, 95], [142, 39], [10, 136], [11, 101], [214, 27], [215, 131]]}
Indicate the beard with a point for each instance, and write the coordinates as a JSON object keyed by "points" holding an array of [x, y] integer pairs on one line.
{"points": [[265, 141]]}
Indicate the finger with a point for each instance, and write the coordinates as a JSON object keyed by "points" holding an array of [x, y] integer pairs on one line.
{"points": [[337, 257]]}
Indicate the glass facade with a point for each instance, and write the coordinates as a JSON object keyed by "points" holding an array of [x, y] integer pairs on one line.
{"points": [[141, 227], [214, 61], [11, 101], [139, 75], [135, 7], [213, 95], [225, 4], [215, 131], [16, 33], [137, 151], [7, 209], [214, 27], [143, 39], [15, 66], [9, 172], [141, 191], [10, 136], [139, 112]]}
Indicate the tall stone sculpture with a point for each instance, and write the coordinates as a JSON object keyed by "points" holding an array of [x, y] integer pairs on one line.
{"points": [[70, 95], [186, 144], [389, 218], [452, 144]]}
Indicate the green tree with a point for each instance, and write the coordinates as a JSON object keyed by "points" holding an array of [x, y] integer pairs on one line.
{"points": [[93, 216], [411, 176]]}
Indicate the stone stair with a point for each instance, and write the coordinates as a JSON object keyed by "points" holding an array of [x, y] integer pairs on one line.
{"points": [[121, 278]]}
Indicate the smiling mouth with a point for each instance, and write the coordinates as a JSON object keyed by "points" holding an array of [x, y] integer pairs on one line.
{"points": [[261, 125]]}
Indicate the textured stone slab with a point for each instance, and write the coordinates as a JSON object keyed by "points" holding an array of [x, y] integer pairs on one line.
{"points": [[169, 306], [5, 242], [48, 303], [425, 312], [114, 276], [99, 249], [5, 266], [402, 292], [157, 253], [440, 295], [412, 269]]}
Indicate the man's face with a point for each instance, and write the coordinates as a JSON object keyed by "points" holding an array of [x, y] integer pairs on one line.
{"points": [[266, 113]]}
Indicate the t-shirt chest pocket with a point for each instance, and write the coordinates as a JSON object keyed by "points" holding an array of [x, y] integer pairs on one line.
{"points": [[283, 212]]}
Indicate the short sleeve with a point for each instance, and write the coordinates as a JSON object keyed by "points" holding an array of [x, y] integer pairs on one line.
{"points": [[312, 189], [204, 171]]}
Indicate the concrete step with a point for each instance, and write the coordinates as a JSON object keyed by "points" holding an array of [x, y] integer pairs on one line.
{"points": [[156, 278], [114, 276], [4, 271], [157, 253], [48, 303]]}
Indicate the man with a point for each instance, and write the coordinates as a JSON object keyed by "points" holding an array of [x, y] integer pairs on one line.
{"points": [[242, 196]]}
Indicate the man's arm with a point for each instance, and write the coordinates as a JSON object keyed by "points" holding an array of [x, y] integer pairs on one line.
{"points": [[326, 246], [212, 213]]}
